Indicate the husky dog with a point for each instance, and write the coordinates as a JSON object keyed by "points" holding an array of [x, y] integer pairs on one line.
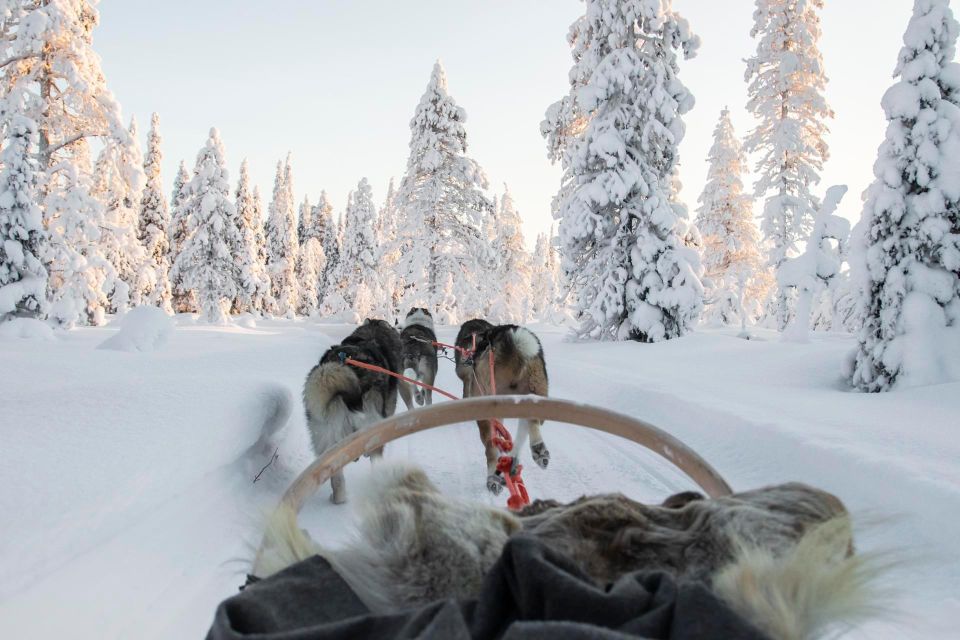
{"points": [[519, 368], [340, 399], [419, 352]]}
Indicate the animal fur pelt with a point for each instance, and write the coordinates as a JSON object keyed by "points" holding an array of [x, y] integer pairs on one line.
{"points": [[781, 556]]}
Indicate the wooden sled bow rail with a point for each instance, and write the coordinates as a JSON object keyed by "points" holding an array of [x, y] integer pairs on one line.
{"points": [[504, 407]]}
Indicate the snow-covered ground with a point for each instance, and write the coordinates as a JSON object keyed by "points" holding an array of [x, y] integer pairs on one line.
{"points": [[126, 475]]}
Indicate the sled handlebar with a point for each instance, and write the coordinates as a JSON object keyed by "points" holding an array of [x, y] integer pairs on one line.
{"points": [[502, 407]]}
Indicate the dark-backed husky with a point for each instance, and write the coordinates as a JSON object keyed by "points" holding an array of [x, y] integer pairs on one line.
{"points": [[419, 352], [341, 399], [519, 368]]}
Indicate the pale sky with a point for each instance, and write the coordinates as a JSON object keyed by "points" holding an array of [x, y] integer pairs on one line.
{"points": [[336, 82]]}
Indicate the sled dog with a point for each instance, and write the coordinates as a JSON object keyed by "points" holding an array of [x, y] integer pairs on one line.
{"points": [[419, 352], [519, 368], [340, 399]]}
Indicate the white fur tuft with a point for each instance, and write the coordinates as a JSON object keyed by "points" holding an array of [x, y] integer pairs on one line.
{"points": [[526, 343], [810, 591], [284, 544]]}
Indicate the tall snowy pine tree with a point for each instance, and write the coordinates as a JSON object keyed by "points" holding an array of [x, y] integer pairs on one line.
{"points": [[282, 243], [907, 264], [786, 84], [206, 262], [511, 301], [23, 278], [440, 203], [52, 77], [731, 244], [154, 223], [616, 135], [253, 284]]}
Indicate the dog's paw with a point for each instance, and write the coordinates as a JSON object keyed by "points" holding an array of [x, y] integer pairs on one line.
{"points": [[418, 397], [540, 454], [338, 498], [495, 484]]}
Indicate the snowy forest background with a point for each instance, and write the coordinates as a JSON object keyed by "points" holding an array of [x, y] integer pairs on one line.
{"points": [[87, 227]]}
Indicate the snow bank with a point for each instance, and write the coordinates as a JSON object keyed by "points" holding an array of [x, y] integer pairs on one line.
{"points": [[142, 329], [28, 328]]}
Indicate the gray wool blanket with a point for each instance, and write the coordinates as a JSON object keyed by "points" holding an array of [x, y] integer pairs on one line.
{"points": [[531, 592]]}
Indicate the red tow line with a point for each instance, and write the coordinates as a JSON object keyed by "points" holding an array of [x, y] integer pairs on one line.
{"points": [[500, 437]]}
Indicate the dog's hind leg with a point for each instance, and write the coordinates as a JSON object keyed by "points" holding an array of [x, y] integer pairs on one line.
{"points": [[339, 486], [494, 482], [538, 448], [404, 389]]}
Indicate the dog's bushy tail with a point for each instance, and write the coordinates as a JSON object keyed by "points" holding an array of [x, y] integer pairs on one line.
{"points": [[525, 342], [328, 381]]}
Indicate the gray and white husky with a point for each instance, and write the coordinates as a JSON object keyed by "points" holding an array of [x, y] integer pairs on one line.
{"points": [[419, 352], [341, 399]]}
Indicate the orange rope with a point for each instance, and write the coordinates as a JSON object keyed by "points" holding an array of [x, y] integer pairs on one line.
{"points": [[373, 367]]}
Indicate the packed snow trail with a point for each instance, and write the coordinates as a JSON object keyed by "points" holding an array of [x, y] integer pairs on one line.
{"points": [[131, 473]]}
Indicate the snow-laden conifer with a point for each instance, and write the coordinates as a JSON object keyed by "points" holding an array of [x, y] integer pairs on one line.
{"points": [[183, 301], [906, 260], [359, 268], [253, 282], [440, 202], [118, 184], [786, 86], [310, 265], [154, 223], [732, 260], [52, 77], [616, 135], [206, 262], [511, 303], [23, 240], [818, 266], [282, 243]]}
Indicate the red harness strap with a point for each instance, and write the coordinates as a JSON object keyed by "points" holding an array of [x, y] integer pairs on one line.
{"points": [[500, 436], [373, 367], [519, 497]]}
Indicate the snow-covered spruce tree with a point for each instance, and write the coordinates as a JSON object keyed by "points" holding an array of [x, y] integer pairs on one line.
{"points": [[118, 183], [304, 220], [23, 240], [154, 223], [310, 265], [786, 84], [817, 267], [732, 259], [908, 261], [616, 135], [359, 268], [541, 285], [183, 301], [80, 275], [52, 77], [206, 262], [440, 202], [389, 249], [282, 244], [511, 303], [253, 282]]}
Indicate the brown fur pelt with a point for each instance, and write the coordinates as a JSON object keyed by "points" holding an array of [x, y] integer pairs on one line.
{"points": [[609, 535], [782, 556]]}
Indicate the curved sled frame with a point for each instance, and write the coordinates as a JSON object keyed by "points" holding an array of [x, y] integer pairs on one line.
{"points": [[502, 407]]}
